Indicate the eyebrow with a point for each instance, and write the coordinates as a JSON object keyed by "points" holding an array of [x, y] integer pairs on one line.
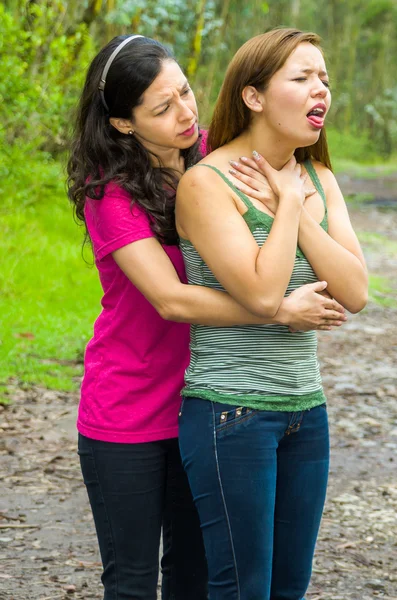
{"points": [[185, 84], [309, 71]]}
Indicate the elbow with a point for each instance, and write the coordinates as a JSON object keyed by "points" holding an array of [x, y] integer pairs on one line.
{"points": [[165, 312], [266, 308], [359, 303], [175, 304], [169, 312]]}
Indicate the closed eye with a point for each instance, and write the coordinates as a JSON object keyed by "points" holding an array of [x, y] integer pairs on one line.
{"points": [[324, 82], [163, 111], [183, 93]]}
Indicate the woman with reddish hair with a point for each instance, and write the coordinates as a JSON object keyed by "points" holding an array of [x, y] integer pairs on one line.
{"points": [[253, 426]]}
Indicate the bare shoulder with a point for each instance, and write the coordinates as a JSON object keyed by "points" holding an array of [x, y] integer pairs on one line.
{"points": [[325, 175], [198, 180], [197, 175], [330, 185]]}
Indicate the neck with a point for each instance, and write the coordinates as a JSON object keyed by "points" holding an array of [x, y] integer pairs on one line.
{"points": [[170, 158], [274, 149]]}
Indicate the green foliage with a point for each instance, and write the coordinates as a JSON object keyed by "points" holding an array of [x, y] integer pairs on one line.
{"points": [[375, 11], [50, 296], [376, 241], [162, 19], [381, 292], [356, 147], [45, 47], [39, 83], [382, 114]]}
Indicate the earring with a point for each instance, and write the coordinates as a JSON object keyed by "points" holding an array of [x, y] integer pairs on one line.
{"points": [[130, 132]]}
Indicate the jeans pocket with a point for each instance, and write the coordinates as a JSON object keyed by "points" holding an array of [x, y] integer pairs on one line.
{"points": [[230, 418]]}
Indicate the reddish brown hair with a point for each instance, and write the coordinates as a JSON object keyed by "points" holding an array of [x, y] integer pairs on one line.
{"points": [[254, 64]]}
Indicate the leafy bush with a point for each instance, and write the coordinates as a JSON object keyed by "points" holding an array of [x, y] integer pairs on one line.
{"points": [[355, 147], [39, 81]]}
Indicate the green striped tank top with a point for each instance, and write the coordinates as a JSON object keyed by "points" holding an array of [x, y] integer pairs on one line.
{"points": [[259, 366]]}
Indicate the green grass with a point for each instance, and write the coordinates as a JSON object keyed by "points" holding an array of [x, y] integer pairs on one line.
{"points": [[49, 295], [357, 155], [360, 198], [381, 292], [381, 289], [376, 241], [362, 170]]}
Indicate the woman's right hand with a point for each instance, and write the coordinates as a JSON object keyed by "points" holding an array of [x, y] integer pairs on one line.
{"points": [[289, 181], [310, 307]]}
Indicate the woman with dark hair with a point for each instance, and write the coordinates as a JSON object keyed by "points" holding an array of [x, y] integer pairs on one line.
{"points": [[135, 135], [253, 425]]}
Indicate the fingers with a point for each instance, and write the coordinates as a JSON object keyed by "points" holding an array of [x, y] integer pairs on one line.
{"points": [[262, 163], [317, 286], [334, 315], [266, 168], [255, 194], [329, 303], [252, 183], [318, 327], [330, 325], [323, 326], [332, 304], [292, 163], [243, 170], [250, 162], [337, 306]]}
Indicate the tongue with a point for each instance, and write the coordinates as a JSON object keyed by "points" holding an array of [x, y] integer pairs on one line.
{"points": [[315, 120]]}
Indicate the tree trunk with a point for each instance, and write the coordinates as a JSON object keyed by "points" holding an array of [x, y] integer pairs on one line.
{"points": [[205, 105], [196, 52]]}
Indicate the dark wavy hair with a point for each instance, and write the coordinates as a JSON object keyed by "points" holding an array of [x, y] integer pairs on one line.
{"points": [[100, 153]]}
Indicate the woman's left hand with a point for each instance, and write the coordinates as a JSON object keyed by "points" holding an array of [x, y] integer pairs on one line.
{"points": [[253, 183]]}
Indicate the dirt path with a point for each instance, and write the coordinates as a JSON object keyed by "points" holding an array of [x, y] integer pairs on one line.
{"points": [[47, 540]]}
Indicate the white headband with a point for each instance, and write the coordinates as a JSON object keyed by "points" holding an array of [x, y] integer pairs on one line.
{"points": [[111, 58]]}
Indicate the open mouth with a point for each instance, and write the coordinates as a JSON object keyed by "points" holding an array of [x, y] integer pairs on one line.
{"points": [[316, 116]]}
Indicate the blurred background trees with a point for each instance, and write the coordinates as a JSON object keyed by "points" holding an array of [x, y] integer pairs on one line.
{"points": [[45, 47], [49, 297]]}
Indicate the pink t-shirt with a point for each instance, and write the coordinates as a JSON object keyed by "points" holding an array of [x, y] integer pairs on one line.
{"points": [[135, 362]]}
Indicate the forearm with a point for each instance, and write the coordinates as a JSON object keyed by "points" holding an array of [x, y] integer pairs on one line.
{"points": [[205, 306], [276, 259], [345, 274]]}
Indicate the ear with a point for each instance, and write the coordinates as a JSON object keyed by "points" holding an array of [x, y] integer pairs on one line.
{"points": [[122, 125], [253, 99]]}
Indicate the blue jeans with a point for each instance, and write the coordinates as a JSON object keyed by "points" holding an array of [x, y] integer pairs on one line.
{"points": [[135, 490], [259, 481]]}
